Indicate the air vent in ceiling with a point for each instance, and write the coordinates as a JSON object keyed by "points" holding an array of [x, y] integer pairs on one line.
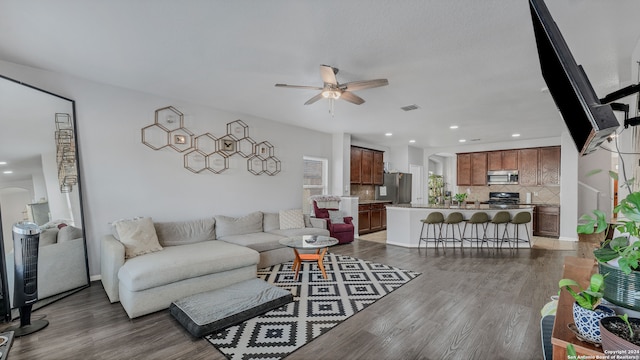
{"points": [[410, 107]]}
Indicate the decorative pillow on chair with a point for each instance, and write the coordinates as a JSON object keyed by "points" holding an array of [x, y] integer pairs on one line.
{"points": [[138, 236], [336, 216], [291, 219]]}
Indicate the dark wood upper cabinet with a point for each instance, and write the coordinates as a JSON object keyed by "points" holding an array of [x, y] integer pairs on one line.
{"points": [[367, 166], [464, 169], [494, 160], [478, 169], [528, 167], [536, 166], [378, 168], [356, 165], [549, 166], [502, 160], [509, 159]]}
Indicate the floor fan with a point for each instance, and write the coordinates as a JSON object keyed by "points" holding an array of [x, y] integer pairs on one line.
{"points": [[26, 237]]}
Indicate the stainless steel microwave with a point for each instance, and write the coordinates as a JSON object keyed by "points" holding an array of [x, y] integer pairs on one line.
{"points": [[502, 177]]}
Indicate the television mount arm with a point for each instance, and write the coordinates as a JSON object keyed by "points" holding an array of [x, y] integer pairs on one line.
{"points": [[619, 94]]}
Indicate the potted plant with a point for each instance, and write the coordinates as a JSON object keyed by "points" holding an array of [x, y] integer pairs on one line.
{"points": [[460, 198], [621, 333], [619, 257], [587, 310]]}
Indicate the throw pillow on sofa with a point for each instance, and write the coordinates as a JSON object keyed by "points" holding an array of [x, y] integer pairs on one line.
{"points": [[249, 224], [138, 236], [48, 237], [68, 232], [291, 219]]}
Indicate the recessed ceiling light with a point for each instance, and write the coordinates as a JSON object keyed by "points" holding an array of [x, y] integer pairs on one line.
{"points": [[412, 141], [462, 140], [3, 163], [515, 135], [388, 134], [7, 172], [453, 127]]}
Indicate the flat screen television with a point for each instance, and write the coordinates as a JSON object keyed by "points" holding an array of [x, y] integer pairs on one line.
{"points": [[589, 121]]}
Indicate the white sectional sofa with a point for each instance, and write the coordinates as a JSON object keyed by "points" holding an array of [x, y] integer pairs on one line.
{"points": [[196, 256]]}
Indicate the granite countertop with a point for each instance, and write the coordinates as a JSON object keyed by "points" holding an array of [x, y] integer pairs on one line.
{"points": [[366, 202], [468, 207]]}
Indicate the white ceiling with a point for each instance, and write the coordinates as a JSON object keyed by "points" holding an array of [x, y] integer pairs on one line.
{"points": [[465, 62]]}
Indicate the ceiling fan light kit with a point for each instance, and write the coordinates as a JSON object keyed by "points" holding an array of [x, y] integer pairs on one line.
{"points": [[333, 90]]}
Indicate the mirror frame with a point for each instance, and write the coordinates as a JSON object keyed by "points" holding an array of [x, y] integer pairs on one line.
{"points": [[5, 306]]}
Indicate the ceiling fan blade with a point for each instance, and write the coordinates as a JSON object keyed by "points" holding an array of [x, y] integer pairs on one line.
{"points": [[314, 99], [365, 84], [351, 97], [299, 87], [328, 74]]}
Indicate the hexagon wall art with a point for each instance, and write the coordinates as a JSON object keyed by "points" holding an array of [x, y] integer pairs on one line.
{"points": [[207, 151]]}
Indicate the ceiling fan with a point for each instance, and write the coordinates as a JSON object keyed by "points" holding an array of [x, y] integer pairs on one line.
{"points": [[333, 90]]}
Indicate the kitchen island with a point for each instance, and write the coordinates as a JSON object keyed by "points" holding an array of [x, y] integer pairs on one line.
{"points": [[404, 220]]}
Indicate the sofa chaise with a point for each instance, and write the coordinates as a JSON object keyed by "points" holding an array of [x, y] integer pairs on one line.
{"points": [[196, 256]]}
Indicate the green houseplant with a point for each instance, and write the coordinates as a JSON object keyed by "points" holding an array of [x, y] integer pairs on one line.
{"points": [[587, 310], [460, 198], [620, 333], [619, 257]]}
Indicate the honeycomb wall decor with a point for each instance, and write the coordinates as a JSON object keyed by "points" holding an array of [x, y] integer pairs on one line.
{"points": [[206, 151], [65, 153]]}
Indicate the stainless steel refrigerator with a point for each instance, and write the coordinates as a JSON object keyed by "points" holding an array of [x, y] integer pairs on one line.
{"points": [[396, 188]]}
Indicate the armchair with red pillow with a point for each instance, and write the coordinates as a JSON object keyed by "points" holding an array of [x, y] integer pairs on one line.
{"points": [[339, 226]]}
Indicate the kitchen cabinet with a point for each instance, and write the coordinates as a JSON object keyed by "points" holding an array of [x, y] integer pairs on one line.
{"points": [[378, 168], [356, 161], [539, 166], [546, 220], [536, 166], [372, 217], [478, 169], [464, 169], [367, 167], [510, 159], [549, 166], [364, 219], [472, 169], [528, 167], [502, 160]]}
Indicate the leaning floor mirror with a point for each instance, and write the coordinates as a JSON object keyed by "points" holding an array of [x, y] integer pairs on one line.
{"points": [[40, 183]]}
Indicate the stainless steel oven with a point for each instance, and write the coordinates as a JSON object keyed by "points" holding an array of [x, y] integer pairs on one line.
{"points": [[502, 177]]}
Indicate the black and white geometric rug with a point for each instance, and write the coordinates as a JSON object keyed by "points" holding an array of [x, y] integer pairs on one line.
{"points": [[319, 305]]}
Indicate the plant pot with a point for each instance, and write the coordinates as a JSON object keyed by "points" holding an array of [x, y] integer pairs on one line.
{"points": [[611, 330], [619, 288], [588, 321]]}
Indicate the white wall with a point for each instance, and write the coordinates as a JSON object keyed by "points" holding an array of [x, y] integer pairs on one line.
{"points": [[122, 178], [600, 182], [341, 180], [568, 189]]}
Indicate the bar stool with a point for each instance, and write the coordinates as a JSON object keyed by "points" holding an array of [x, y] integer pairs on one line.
{"points": [[500, 218], [478, 220], [520, 219], [453, 219], [434, 221]]}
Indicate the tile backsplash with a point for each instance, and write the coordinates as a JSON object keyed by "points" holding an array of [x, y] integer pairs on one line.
{"points": [[539, 194], [364, 192]]}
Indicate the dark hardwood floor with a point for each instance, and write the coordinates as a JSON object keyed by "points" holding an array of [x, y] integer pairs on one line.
{"points": [[469, 304]]}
